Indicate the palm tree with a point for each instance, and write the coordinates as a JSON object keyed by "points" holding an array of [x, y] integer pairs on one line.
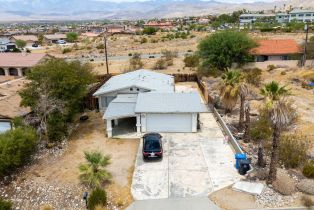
{"points": [[93, 173], [230, 89], [279, 113]]}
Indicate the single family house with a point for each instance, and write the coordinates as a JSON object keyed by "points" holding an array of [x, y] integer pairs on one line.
{"points": [[54, 38], [29, 39], [150, 100], [274, 50], [6, 45]]}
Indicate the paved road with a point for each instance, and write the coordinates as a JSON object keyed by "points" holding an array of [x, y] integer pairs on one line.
{"points": [[199, 203], [194, 164], [119, 57]]}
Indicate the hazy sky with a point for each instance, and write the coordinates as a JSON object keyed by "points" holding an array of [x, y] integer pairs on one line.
{"points": [[230, 1]]}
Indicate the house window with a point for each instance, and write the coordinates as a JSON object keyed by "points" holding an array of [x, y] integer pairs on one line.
{"points": [[131, 89], [308, 15], [138, 89], [301, 15]]}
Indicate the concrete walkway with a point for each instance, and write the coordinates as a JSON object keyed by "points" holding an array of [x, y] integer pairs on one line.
{"points": [[194, 165], [197, 203]]}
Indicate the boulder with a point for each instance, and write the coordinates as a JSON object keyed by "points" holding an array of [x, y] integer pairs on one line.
{"points": [[284, 184], [306, 186]]}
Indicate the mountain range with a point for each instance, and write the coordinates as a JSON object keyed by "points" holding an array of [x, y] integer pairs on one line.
{"points": [[95, 9]]}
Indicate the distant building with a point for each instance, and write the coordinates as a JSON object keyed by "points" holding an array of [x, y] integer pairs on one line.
{"points": [[252, 18], [272, 50], [54, 38], [29, 39], [6, 45], [282, 17], [17, 64], [301, 15]]}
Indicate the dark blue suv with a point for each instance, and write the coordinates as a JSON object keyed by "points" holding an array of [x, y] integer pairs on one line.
{"points": [[152, 146]]}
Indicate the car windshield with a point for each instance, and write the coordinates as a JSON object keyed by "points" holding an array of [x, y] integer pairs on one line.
{"points": [[152, 145]]}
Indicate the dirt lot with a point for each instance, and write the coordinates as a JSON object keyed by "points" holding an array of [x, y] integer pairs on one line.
{"points": [[54, 180]]}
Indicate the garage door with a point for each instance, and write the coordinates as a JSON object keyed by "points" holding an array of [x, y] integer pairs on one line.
{"points": [[169, 122]]}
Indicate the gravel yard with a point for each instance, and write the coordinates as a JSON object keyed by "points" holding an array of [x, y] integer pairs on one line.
{"points": [[53, 180]]}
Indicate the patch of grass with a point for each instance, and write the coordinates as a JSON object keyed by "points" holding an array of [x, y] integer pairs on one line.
{"points": [[308, 169]]}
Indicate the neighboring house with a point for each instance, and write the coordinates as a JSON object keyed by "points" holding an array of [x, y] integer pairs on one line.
{"points": [[10, 103], [149, 98], [17, 64], [252, 18], [6, 45], [271, 50], [29, 39], [54, 38], [89, 35], [115, 29], [282, 17], [301, 15]]}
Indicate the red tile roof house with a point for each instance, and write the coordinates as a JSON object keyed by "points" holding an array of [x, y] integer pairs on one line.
{"points": [[274, 50], [17, 64]]}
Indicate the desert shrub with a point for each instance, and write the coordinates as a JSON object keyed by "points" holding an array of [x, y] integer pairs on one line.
{"points": [[136, 61], [283, 73], [160, 64], [5, 205], [66, 50], [307, 201], [100, 46], [253, 76], [98, 197], [16, 148], [154, 40], [261, 128], [144, 40], [130, 54], [101, 51], [89, 48], [191, 60], [308, 169], [271, 67], [293, 150]]}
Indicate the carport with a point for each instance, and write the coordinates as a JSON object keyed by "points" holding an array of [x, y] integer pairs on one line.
{"points": [[120, 115]]}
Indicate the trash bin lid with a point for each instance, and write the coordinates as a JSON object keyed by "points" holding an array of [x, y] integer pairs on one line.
{"points": [[240, 156]]}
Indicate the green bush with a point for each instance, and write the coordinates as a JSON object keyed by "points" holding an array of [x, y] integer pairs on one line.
{"points": [[293, 148], [191, 60], [308, 169], [261, 128], [5, 205], [98, 197], [100, 47], [253, 76], [66, 50], [16, 148], [271, 67], [57, 126], [144, 40]]}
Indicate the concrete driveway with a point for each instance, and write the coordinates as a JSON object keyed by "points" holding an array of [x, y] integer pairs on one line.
{"points": [[194, 164]]}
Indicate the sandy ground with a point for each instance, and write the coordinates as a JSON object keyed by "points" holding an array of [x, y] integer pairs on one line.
{"points": [[303, 99], [89, 136]]}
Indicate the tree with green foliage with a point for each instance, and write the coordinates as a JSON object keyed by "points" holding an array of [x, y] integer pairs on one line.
{"points": [[55, 93], [191, 61], [280, 114], [97, 198], [16, 148], [149, 30], [20, 43], [310, 48], [94, 173], [222, 49], [71, 37]]}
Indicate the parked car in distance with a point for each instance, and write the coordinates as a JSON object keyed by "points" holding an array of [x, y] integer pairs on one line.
{"points": [[151, 56], [35, 45], [152, 146], [61, 42]]}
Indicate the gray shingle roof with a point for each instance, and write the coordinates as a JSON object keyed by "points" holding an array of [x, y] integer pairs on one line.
{"points": [[122, 106], [142, 79], [154, 102]]}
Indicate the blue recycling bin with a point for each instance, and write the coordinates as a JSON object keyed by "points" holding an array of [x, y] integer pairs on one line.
{"points": [[239, 156]]}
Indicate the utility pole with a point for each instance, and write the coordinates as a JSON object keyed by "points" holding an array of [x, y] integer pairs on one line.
{"points": [[106, 52], [306, 29]]}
